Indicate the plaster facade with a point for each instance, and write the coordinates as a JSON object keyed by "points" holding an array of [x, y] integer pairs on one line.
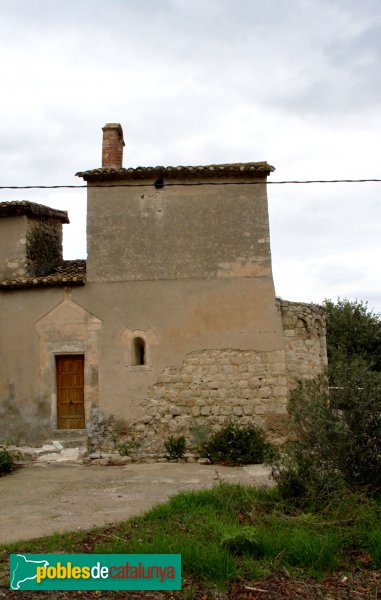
{"points": [[175, 311]]}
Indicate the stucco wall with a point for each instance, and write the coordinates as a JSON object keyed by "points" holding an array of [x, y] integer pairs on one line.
{"points": [[178, 232], [214, 352], [187, 270], [13, 260], [25, 416], [176, 319]]}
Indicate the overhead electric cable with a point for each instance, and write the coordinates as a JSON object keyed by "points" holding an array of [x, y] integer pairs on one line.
{"points": [[185, 184]]}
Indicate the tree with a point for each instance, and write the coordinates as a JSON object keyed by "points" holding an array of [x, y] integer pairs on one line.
{"points": [[337, 416], [353, 334]]}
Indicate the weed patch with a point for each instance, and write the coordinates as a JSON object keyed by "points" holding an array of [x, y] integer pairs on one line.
{"points": [[233, 532], [6, 462]]}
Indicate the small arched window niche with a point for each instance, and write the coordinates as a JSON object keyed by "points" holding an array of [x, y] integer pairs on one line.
{"points": [[138, 348], [138, 352]]}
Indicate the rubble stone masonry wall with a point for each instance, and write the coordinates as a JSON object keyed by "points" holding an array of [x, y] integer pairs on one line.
{"points": [[304, 333], [29, 246], [212, 386], [44, 245]]}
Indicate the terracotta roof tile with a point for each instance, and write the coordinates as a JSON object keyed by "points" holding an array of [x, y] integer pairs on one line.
{"points": [[17, 208], [254, 169], [69, 273]]}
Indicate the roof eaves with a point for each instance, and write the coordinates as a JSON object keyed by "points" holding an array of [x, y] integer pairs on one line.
{"points": [[69, 273], [17, 208], [257, 169]]}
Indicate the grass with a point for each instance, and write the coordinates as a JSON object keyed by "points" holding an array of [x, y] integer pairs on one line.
{"points": [[233, 531]]}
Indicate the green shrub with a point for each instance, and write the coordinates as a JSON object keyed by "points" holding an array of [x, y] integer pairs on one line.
{"points": [[124, 448], [175, 447], [236, 444], [6, 462], [338, 434], [127, 445]]}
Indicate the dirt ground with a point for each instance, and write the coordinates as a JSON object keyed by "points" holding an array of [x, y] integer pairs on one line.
{"points": [[41, 499]]}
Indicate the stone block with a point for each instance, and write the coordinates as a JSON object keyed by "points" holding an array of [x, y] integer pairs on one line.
{"points": [[46, 448], [254, 382], [279, 391], [57, 445], [265, 392], [116, 459], [103, 462], [48, 457], [70, 454], [236, 360], [213, 384]]}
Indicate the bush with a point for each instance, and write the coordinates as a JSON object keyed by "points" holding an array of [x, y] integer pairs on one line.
{"points": [[338, 435], [175, 447], [237, 444], [6, 462], [127, 446]]}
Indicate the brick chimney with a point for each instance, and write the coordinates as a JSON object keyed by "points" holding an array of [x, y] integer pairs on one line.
{"points": [[112, 148]]}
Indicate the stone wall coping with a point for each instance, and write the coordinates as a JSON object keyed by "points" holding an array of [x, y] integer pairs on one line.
{"points": [[299, 305]]}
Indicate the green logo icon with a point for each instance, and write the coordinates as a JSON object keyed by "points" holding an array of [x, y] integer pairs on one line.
{"points": [[95, 572]]}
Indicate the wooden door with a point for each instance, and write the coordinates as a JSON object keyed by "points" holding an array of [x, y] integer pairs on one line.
{"points": [[70, 391]]}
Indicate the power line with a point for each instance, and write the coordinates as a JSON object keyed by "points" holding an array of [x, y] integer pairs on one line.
{"points": [[185, 184]]}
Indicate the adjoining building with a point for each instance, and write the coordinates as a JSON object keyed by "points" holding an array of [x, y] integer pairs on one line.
{"points": [[170, 325]]}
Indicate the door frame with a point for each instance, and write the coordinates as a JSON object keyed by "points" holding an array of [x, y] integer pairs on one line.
{"points": [[54, 404]]}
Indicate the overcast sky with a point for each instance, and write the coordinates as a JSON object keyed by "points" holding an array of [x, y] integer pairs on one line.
{"points": [[293, 82]]}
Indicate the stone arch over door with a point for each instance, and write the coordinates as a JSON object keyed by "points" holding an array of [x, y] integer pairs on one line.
{"points": [[68, 329]]}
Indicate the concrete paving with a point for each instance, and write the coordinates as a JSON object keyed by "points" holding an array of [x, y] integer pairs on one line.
{"points": [[41, 499]]}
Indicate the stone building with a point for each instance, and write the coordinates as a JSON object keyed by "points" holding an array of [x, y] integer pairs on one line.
{"points": [[170, 325]]}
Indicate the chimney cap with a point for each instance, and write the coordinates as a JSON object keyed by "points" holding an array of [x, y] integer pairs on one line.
{"points": [[115, 126]]}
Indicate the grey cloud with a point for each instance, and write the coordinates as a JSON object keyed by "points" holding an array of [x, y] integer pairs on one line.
{"points": [[200, 82]]}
